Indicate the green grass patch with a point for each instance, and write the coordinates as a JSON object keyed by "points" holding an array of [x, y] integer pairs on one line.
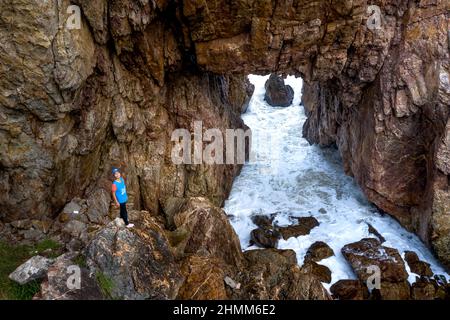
{"points": [[12, 256], [106, 284], [80, 261]]}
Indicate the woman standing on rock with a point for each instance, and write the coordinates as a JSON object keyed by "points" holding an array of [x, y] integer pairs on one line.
{"points": [[119, 192]]}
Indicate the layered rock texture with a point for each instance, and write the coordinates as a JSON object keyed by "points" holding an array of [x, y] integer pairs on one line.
{"points": [[76, 101], [388, 113]]}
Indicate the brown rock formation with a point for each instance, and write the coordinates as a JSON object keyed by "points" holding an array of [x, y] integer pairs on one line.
{"points": [[388, 114], [74, 102], [278, 94], [367, 253]]}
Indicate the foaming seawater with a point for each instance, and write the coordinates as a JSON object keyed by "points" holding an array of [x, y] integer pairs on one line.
{"points": [[293, 179]]}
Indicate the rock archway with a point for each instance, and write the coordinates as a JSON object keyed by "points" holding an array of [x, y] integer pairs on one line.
{"points": [[76, 101]]}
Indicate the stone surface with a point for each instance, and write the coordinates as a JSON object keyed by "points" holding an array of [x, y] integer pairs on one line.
{"points": [[277, 93], [322, 273], [416, 265], [204, 279], [33, 269], [263, 222], [274, 274], [138, 262], [265, 238], [304, 227], [207, 232], [61, 281], [369, 252], [74, 102], [349, 290], [319, 250], [424, 289], [387, 112]]}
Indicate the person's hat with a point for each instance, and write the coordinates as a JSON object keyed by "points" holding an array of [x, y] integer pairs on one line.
{"points": [[114, 170]]}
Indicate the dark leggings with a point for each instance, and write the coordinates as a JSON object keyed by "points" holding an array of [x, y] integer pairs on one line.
{"points": [[123, 212]]}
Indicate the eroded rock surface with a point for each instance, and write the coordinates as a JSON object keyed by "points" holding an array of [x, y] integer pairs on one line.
{"points": [[138, 263], [368, 256], [387, 112], [74, 102]]}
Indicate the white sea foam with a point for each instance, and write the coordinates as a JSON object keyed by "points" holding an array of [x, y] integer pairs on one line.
{"points": [[294, 179]]}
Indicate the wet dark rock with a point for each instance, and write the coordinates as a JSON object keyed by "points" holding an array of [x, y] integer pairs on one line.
{"points": [[265, 238], [417, 266], [349, 290], [249, 89], [367, 253], [318, 251], [375, 232], [262, 221], [322, 272], [429, 289], [274, 274], [277, 93], [304, 227]]}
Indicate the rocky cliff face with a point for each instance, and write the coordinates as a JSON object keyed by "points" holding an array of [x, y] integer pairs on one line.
{"points": [[388, 114], [74, 102]]}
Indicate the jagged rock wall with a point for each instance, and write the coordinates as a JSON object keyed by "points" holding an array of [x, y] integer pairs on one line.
{"points": [[75, 102], [388, 114]]}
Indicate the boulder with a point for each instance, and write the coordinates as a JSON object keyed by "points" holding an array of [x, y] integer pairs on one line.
{"points": [[262, 221], [277, 93], [272, 274], [319, 250], [368, 253], [74, 207], [98, 206], [322, 273], [417, 266], [138, 263], [74, 228], [204, 229], [68, 281], [34, 268], [264, 238], [204, 279], [349, 290], [304, 227], [424, 289]]}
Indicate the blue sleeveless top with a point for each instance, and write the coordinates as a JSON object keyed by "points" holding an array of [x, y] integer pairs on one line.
{"points": [[121, 191]]}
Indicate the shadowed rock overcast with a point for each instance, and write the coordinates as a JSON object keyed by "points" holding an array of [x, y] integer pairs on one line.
{"points": [[74, 103]]}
